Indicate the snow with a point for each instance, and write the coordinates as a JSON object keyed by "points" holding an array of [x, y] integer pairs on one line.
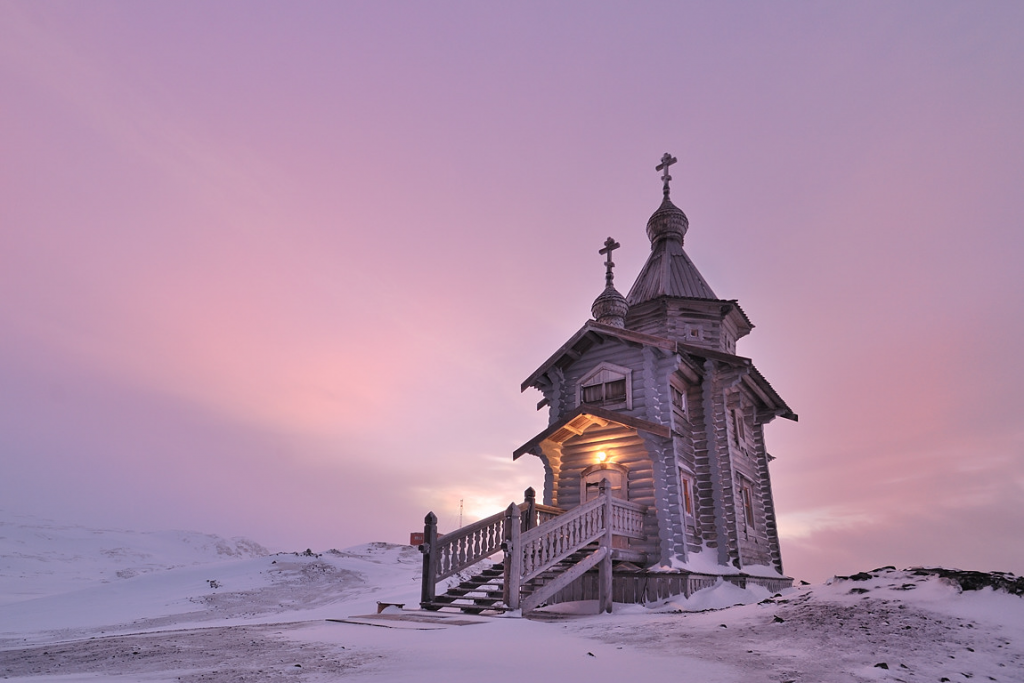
{"points": [[706, 562], [191, 607]]}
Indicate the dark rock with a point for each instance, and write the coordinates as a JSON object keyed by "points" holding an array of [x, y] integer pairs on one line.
{"points": [[972, 581]]}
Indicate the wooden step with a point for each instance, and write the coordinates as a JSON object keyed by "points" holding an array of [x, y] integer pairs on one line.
{"points": [[480, 588], [469, 608], [479, 593]]}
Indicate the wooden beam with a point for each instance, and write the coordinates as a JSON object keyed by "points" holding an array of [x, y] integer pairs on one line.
{"points": [[537, 598], [610, 415]]}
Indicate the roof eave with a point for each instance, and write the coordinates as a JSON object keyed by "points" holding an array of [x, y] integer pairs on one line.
{"points": [[603, 331], [636, 423]]}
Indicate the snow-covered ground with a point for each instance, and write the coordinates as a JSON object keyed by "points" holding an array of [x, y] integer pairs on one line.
{"points": [[81, 605]]}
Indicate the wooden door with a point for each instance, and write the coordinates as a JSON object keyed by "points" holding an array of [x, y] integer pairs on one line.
{"points": [[592, 484]]}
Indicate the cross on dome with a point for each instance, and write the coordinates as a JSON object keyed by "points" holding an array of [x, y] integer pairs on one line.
{"points": [[666, 161], [610, 245]]}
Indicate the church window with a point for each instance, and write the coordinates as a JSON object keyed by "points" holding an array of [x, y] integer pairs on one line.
{"points": [[607, 385], [678, 398], [608, 392], [738, 433], [748, 504], [686, 484]]}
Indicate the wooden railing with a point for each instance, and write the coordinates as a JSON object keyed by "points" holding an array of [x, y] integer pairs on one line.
{"points": [[628, 518], [535, 538], [532, 552], [446, 555], [543, 547], [534, 513]]}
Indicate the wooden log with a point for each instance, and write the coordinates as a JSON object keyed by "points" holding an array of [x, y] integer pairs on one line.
{"points": [[599, 556]]}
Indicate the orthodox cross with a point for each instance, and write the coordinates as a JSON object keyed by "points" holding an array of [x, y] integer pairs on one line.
{"points": [[610, 245], [666, 161]]}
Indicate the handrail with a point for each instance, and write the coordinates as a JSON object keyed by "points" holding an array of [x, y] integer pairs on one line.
{"points": [[628, 518], [467, 546], [548, 544]]}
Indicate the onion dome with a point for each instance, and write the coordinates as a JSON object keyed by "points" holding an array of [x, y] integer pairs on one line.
{"points": [[610, 307], [668, 222]]}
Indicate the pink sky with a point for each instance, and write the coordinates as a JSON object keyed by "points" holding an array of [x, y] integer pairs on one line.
{"points": [[278, 270]]}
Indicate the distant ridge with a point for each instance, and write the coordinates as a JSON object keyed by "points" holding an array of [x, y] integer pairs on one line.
{"points": [[42, 557]]}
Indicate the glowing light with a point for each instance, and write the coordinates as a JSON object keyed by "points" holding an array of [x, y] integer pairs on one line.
{"points": [[601, 456]]}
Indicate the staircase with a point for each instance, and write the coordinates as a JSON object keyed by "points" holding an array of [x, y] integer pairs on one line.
{"points": [[485, 591], [545, 550]]}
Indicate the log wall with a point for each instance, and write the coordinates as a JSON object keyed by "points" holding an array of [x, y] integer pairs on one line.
{"points": [[624, 447]]}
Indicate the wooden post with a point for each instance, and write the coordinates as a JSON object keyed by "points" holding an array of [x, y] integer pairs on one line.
{"points": [[513, 556], [530, 515], [429, 550], [604, 572]]}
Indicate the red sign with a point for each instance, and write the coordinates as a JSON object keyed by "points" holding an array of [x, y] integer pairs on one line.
{"points": [[416, 538]]}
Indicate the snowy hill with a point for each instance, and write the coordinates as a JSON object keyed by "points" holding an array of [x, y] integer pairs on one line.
{"points": [[86, 605], [39, 557]]}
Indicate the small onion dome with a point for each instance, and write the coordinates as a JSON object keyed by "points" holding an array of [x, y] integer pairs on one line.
{"points": [[610, 308], [668, 222]]}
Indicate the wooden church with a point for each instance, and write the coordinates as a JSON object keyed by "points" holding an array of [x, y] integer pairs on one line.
{"points": [[656, 475]]}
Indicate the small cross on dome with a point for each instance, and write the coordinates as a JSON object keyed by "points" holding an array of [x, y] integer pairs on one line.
{"points": [[666, 161], [610, 245]]}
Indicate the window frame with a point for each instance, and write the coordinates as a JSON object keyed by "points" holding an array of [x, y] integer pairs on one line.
{"points": [[746, 497], [683, 405], [609, 373], [686, 499]]}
